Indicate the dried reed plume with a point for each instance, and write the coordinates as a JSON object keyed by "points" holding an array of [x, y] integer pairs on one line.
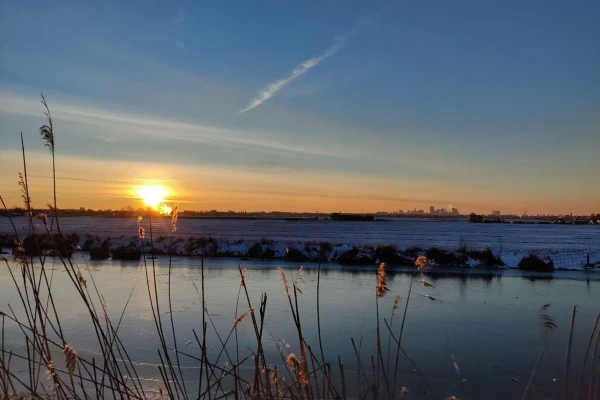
{"points": [[292, 362], [299, 367], [240, 318], [546, 321], [422, 262], [51, 372], [80, 278], [303, 373], [404, 392], [425, 283], [395, 308], [381, 286], [429, 297], [5, 259], [47, 131], [284, 280], [20, 257], [174, 216], [42, 217], [24, 196], [243, 278], [71, 358], [141, 233]]}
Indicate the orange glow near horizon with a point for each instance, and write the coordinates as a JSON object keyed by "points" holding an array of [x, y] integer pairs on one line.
{"points": [[152, 195]]}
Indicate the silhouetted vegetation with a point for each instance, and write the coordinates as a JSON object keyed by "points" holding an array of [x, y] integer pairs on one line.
{"points": [[129, 252], [535, 263], [294, 255], [202, 246], [446, 258], [101, 252], [413, 252], [485, 257], [36, 245], [354, 256], [390, 255], [262, 251], [305, 374]]}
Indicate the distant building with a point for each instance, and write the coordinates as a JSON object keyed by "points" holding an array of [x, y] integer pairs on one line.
{"points": [[496, 213], [431, 210], [455, 211]]}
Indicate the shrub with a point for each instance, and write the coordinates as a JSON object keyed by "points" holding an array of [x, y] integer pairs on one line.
{"points": [[33, 246], [446, 258], [202, 246], [390, 255], [126, 253], [294, 255], [254, 251], [73, 239], [486, 257], [101, 252], [412, 252], [267, 254], [535, 263], [89, 243], [7, 240], [355, 257]]}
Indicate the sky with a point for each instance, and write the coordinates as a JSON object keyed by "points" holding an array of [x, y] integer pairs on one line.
{"points": [[352, 106]]}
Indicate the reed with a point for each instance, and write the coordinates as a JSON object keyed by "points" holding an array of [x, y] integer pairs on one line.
{"points": [[111, 373]]}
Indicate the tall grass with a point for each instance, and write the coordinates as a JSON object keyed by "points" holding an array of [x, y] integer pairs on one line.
{"points": [[55, 369]]}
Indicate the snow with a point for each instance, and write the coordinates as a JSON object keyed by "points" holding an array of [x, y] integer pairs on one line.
{"points": [[567, 246]]}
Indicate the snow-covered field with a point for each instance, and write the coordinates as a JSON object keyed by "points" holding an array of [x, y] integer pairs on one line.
{"points": [[567, 245]]}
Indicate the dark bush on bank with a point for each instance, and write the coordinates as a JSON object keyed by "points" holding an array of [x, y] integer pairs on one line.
{"points": [[391, 256], [485, 257], [7, 240], [36, 245], [101, 252], [126, 253], [205, 246], [268, 254], [355, 257], [446, 258], [261, 250], [535, 263], [318, 251], [413, 252], [294, 255]]}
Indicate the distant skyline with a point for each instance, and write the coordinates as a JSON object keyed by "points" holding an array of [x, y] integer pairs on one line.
{"points": [[321, 106]]}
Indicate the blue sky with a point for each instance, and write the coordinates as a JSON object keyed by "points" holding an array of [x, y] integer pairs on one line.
{"points": [[392, 105]]}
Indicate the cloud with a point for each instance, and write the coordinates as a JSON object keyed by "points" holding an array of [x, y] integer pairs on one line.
{"points": [[181, 46], [180, 16], [271, 89], [106, 139], [134, 125]]}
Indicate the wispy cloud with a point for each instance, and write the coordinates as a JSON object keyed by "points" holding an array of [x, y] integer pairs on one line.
{"points": [[181, 46], [271, 89], [106, 138], [180, 16], [128, 125]]}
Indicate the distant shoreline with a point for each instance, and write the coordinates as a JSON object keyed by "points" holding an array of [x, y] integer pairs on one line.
{"points": [[316, 219]]}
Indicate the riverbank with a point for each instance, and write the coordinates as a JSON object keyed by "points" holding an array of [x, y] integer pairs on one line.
{"points": [[462, 256]]}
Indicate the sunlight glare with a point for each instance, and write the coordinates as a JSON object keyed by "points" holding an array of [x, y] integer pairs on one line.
{"points": [[165, 209], [152, 195]]}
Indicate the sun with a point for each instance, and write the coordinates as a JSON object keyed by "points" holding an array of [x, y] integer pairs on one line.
{"points": [[152, 195]]}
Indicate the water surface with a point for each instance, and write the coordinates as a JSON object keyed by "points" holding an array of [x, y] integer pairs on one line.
{"points": [[487, 322]]}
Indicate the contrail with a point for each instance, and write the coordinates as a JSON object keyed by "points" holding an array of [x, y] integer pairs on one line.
{"points": [[271, 89]]}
